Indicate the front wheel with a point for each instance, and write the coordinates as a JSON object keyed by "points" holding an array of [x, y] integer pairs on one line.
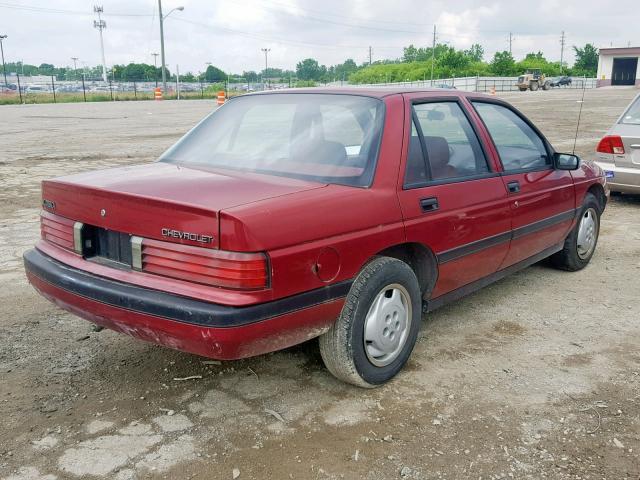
{"points": [[534, 86], [581, 243], [378, 326]]}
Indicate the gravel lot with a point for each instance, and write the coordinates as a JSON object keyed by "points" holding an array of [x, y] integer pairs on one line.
{"points": [[537, 376]]}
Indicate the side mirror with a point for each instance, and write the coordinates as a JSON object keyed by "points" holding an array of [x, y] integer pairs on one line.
{"points": [[566, 161]]}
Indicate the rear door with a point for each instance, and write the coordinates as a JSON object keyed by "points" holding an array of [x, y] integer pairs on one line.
{"points": [[451, 195], [542, 199]]}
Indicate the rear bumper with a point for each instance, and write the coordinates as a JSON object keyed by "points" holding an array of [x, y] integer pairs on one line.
{"points": [[182, 323], [625, 180]]}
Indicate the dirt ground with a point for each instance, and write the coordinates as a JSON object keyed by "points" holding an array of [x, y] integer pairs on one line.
{"points": [[535, 377]]}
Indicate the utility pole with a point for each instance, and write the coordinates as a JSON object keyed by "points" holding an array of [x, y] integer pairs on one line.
{"points": [[433, 53], [370, 54], [101, 25], [510, 41], [562, 43], [266, 64], [4, 67], [75, 67], [162, 59], [155, 67]]}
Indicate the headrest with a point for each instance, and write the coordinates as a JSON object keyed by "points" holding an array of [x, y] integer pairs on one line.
{"points": [[321, 151], [438, 151]]}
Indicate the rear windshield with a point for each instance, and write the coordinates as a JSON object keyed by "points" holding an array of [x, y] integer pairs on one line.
{"points": [[319, 137], [632, 115]]}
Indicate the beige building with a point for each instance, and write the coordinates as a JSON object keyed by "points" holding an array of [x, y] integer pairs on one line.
{"points": [[619, 66]]}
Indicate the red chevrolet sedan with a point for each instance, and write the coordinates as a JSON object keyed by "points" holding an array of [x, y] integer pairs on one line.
{"points": [[338, 214]]}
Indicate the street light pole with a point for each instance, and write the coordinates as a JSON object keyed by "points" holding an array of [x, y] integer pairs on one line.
{"points": [[155, 68], [266, 64], [4, 67], [101, 25], [162, 58], [75, 66], [162, 61]]}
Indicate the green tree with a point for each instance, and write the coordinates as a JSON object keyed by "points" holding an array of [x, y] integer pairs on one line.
{"points": [[188, 77], [214, 74], [250, 76], [475, 53], [272, 73], [46, 69], [503, 64], [342, 71], [309, 69], [586, 60], [453, 61]]}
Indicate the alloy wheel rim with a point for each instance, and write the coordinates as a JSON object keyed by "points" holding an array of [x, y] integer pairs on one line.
{"points": [[387, 325], [587, 233]]}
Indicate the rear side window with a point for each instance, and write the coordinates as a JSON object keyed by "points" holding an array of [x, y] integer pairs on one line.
{"points": [[452, 147], [632, 115], [519, 146]]}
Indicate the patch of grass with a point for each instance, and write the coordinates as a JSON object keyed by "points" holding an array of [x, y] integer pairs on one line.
{"points": [[76, 97]]}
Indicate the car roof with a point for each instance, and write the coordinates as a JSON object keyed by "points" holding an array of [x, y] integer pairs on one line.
{"points": [[377, 92]]}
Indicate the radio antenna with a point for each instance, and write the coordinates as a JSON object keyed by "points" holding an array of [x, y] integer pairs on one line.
{"points": [[575, 139]]}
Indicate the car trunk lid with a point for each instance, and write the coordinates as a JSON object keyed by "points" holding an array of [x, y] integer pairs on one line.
{"points": [[161, 201]]}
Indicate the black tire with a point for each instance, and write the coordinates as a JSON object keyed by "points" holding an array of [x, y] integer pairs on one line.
{"points": [[343, 346], [570, 258], [546, 86], [522, 89], [534, 86]]}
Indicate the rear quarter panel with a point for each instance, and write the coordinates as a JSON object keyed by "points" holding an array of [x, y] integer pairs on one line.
{"points": [[346, 225]]}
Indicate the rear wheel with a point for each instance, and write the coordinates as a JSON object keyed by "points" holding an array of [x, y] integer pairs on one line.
{"points": [[581, 242], [534, 86], [378, 326], [546, 85]]}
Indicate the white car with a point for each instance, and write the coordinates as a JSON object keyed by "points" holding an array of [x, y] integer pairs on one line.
{"points": [[618, 153]]}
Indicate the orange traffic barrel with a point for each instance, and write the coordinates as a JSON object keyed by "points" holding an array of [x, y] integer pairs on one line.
{"points": [[221, 97], [157, 93]]}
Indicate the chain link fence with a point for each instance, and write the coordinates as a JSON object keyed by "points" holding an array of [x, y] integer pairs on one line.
{"points": [[479, 84], [43, 89]]}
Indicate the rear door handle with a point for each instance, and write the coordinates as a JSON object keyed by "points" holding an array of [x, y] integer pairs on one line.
{"points": [[514, 187], [429, 204]]}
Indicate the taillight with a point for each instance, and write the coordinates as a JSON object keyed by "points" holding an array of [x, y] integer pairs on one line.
{"points": [[202, 265], [611, 144], [57, 230]]}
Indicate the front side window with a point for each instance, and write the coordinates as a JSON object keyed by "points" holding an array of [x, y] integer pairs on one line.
{"points": [[316, 137], [519, 146], [452, 147]]}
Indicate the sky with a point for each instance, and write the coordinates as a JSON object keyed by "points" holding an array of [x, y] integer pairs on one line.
{"points": [[231, 33]]}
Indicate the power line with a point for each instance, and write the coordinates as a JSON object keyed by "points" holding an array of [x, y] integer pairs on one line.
{"points": [[29, 8], [327, 14], [278, 40], [341, 23]]}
